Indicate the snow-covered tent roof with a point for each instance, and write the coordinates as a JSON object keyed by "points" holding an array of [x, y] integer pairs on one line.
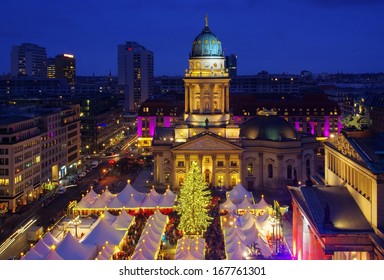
{"points": [[103, 233], [87, 200], [122, 221], [71, 249], [238, 193]]}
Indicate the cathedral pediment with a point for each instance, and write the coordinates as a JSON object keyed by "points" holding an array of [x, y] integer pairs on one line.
{"points": [[343, 145], [207, 142]]}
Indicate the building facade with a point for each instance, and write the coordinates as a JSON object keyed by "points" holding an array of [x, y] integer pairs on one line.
{"points": [[29, 60], [263, 153], [135, 74], [38, 147]]}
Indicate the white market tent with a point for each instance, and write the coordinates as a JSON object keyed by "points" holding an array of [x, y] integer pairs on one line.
{"points": [[241, 232], [52, 255], [103, 200], [32, 254], [150, 239], [123, 221], [228, 205], [87, 200], [128, 199], [71, 249], [190, 248], [49, 239], [238, 193], [103, 233]]}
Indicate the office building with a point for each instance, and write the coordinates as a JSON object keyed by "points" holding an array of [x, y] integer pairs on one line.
{"points": [[135, 74], [29, 60]]}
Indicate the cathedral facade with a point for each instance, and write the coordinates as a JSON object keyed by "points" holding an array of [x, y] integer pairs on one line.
{"points": [[262, 153]]}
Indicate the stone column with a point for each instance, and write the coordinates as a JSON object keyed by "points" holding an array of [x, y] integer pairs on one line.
{"points": [[226, 99], [187, 98], [213, 181], [212, 88], [227, 177]]}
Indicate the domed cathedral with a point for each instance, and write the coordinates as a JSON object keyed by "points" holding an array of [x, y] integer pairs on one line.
{"points": [[264, 153], [206, 82]]}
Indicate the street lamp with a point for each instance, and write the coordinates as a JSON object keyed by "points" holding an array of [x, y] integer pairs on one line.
{"points": [[76, 222]]}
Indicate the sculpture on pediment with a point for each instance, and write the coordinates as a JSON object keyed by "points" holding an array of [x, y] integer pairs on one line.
{"points": [[357, 121]]}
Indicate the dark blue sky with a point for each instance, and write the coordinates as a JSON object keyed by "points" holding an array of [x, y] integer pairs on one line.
{"points": [[276, 36]]}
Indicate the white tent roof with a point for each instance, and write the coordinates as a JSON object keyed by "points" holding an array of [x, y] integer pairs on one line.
{"points": [[87, 200], [103, 200], [245, 204], [107, 217], [49, 239], [122, 221], [41, 247], [236, 250], [71, 249], [262, 204], [105, 253], [167, 200], [32, 254], [190, 249], [127, 192], [52, 255], [238, 193], [143, 254], [103, 233], [228, 205]]}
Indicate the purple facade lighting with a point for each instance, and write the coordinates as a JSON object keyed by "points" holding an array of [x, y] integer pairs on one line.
{"points": [[167, 121], [139, 126], [327, 125], [152, 126]]}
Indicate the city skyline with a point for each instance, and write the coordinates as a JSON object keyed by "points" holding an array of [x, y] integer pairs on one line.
{"points": [[279, 37]]}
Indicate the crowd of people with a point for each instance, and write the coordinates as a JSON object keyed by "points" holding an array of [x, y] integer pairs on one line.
{"points": [[132, 237]]}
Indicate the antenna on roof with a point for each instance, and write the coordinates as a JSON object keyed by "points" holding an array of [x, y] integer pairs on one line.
{"points": [[206, 19]]}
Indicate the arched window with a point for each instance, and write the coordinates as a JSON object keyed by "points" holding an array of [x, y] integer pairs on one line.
{"points": [[250, 169], [289, 172], [270, 171]]}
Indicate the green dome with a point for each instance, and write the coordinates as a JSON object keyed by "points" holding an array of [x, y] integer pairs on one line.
{"points": [[206, 44], [273, 128]]}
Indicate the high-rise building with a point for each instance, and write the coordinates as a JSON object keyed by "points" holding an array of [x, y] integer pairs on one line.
{"points": [[231, 64], [29, 60], [65, 67], [135, 74]]}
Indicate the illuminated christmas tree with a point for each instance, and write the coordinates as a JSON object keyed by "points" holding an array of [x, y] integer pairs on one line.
{"points": [[193, 203]]}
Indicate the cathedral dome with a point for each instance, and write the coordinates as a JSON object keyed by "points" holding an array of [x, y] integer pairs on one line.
{"points": [[272, 128], [206, 44]]}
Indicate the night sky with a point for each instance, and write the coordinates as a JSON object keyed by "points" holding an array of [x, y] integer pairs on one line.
{"points": [[277, 36]]}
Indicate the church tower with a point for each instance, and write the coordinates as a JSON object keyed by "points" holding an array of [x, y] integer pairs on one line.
{"points": [[206, 83]]}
